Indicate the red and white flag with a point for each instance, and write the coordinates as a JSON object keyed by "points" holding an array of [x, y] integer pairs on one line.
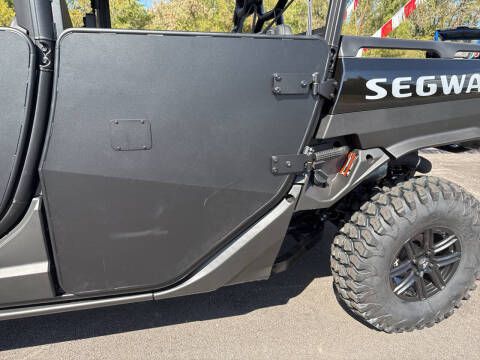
{"points": [[398, 18], [351, 8]]}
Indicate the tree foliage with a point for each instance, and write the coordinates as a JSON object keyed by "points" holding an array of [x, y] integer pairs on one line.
{"points": [[6, 12], [443, 14], [129, 14], [193, 15], [125, 14], [77, 10], [428, 17], [216, 16]]}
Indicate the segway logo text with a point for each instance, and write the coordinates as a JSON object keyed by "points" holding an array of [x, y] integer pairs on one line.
{"points": [[404, 87]]}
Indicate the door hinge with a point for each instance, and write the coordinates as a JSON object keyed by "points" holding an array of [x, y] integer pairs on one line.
{"points": [[326, 89], [290, 164], [46, 54], [306, 162], [299, 83]]}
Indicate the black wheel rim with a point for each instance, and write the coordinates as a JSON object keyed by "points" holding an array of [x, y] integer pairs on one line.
{"points": [[425, 264]]}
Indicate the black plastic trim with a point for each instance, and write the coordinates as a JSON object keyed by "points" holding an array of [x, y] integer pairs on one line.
{"points": [[446, 50]]}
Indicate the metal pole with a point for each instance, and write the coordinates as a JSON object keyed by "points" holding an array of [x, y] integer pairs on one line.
{"points": [[335, 21], [333, 32], [309, 20]]}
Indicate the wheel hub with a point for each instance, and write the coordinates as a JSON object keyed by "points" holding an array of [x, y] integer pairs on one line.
{"points": [[425, 264], [422, 265]]}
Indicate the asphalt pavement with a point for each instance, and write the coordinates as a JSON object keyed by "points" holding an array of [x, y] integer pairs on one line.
{"points": [[294, 315]]}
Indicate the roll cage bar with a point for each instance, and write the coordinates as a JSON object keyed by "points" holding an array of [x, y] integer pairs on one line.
{"points": [[100, 15]]}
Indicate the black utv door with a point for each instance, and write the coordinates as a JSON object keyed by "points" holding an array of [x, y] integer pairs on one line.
{"points": [[159, 149]]}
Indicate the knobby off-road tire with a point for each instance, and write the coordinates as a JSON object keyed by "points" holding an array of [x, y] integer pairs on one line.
{"points": [[364, 249]]}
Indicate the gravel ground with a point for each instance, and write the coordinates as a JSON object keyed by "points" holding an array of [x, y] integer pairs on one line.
{"points": [[294, 315]]}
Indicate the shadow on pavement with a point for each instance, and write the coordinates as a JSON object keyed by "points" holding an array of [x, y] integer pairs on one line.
{"points": [[226, 302], [350, 312]]}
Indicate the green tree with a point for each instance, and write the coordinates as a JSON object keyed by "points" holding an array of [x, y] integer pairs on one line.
{"points": [[6, 12], [125, 14], [360, 21], [443, 14], [193, 15], [428, 17], [77, 10], [129, 14], [216, 15]]}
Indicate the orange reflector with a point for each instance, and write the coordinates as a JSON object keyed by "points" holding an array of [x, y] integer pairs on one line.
{"points": [[347, 167]]}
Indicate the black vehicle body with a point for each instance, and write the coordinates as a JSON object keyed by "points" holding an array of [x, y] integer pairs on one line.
{"points": [[468, 35], [461, 33], [142, 165]]}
